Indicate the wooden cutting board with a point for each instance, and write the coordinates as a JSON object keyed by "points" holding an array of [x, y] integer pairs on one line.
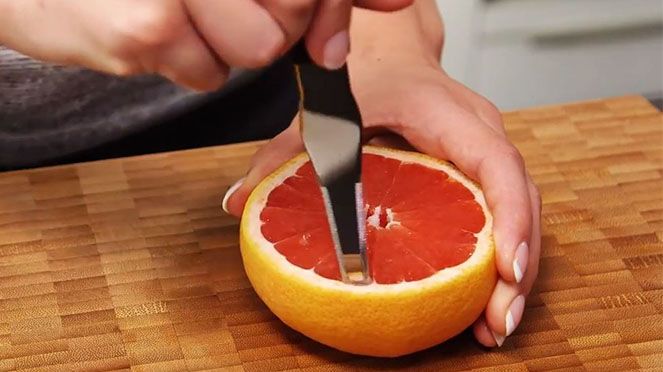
{"points": [[131, 264]]}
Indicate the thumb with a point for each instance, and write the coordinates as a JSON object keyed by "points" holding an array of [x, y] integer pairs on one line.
{"points": [[280, 149]]}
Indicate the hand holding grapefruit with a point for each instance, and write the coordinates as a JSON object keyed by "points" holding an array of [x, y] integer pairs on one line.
{"points": [[430, 249]]}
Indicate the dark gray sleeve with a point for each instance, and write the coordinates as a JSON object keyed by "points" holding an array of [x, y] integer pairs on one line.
{"points": [[48, 111]]}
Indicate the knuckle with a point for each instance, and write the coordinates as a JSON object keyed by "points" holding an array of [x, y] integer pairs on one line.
{"points": [[155, 24], [509, 152], [298, 7], [149, 25], [337, 5], [487, 111], [124, 68], [490, 112]]}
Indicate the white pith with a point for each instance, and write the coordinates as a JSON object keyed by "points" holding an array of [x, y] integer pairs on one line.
{"points": [[391, 221], [373, 219], [483, 246]]}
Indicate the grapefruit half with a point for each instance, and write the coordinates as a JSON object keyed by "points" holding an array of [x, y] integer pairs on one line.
{"points": [[430, 249]]}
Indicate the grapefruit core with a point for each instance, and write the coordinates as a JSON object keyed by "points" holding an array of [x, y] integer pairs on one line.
{"points": [[430, 249]]}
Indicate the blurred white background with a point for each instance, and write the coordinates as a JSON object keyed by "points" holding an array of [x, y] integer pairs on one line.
{"points": [[521, 53]]}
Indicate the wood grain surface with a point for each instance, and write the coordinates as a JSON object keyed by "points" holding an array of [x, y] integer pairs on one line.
{"points": [[131, 264]]}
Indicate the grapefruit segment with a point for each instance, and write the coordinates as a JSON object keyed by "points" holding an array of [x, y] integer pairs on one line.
{"points": [[430, 250], [306, 249], [448, 247], [443, 193], [463, 213], [384, 172], [304, 183], [409, 180], [287, 197], [328, 267], [396, 262], [281, 223]]}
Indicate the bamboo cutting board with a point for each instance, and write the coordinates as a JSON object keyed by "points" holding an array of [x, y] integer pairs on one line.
{"points": [[131, 264]]}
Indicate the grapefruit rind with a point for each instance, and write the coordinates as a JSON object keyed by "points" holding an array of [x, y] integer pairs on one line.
{"points": [[377, 319]]}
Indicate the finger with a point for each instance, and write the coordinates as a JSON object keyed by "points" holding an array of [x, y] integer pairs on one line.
{"points": [[482, 333], [535, 241], [328, 39], [37, 29], [502, 175], [189, 62], [293, 16], [276, 152], [383, 5], [492, 161], [506, 305], [241, 32], [150, 37], [504, 310]]}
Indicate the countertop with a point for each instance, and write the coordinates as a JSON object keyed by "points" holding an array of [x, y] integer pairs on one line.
{"points": [[131, 264]]}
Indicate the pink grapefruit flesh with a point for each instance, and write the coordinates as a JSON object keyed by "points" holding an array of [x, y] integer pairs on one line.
{"points": [[419, 221]]}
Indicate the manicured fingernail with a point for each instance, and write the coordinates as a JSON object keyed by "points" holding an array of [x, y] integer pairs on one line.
{"points": [[336, 50], [514, 314], [499, 339], [520, 259], [229, 193]]}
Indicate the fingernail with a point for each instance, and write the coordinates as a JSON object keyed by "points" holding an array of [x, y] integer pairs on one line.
{"points": [[520, 261], [229, 193], [336, 50], [499, 339], [514, 314]]}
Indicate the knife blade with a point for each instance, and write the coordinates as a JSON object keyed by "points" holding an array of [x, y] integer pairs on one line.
{"points": [[331, 129]]}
